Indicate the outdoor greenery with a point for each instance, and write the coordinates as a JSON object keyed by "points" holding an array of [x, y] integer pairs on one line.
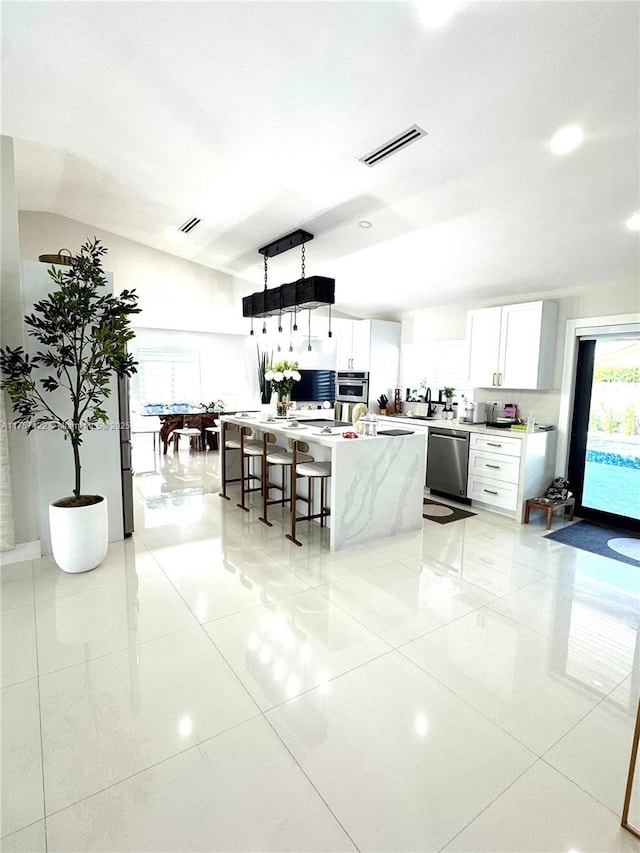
{"points": [[617, 374], [83, 334], [611, 420]]}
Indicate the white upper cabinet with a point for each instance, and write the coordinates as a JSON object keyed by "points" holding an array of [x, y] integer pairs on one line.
{"points": [[373, 346], [353, 350], [512, 346]]}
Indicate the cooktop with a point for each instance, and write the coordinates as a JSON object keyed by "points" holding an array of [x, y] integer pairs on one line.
{"points": [[322, 422]]}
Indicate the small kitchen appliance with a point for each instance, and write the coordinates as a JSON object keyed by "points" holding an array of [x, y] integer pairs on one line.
{"points": [[352, 386], [472, 413]]}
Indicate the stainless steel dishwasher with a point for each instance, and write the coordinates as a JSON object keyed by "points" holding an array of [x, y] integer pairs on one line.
{"points": [[448, 462]]}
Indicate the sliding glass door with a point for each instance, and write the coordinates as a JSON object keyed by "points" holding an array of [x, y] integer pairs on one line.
{"points": [[604, 457]]}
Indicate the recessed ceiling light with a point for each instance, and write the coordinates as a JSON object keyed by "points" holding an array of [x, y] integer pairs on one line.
{"points": [[566, 140], [633, 222], [364, 223], [436, 13]]}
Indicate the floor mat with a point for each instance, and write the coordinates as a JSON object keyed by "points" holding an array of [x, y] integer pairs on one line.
{"points": [[442, 513], [607, 541]]}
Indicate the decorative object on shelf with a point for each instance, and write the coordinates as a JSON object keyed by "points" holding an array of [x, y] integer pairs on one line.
{"points": [[303, 294], [83, 333], [213, 407], [60, 259], [383, 402], [398, 401]]}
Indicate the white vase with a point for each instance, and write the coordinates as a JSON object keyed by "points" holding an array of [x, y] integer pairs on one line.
{"points": [[79, 535]]}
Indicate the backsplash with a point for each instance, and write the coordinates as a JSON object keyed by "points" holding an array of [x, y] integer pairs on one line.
{"points": [[544, 405]]}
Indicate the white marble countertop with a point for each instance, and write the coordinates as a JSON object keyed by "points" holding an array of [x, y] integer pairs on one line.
{"points": [[454, 424], [312, 434]]}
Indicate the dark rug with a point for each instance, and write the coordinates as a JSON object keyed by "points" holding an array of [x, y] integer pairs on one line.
{"points": [[607, 541], [442, 513]]}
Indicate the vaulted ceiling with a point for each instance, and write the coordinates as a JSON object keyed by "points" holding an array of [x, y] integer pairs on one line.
{"points": [[252, 116]]}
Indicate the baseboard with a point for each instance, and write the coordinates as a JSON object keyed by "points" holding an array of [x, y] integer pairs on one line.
{"points": [[22, 552]]}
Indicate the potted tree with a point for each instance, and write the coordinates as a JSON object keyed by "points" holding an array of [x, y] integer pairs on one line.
{"points": [[83, 333]]}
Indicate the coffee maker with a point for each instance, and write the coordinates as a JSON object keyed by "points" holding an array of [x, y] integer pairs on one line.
{"points": [[472, 413]]}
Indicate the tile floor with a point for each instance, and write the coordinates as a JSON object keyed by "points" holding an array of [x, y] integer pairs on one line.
{"points": [[468, 687]]}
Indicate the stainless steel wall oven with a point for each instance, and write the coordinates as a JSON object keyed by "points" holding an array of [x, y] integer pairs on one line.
{"points": [[352, 386]]}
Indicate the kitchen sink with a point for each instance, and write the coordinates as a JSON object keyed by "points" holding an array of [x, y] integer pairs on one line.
{"points": [[417, 417]]}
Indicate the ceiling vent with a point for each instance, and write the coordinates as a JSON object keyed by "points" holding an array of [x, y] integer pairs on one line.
{"points": [[190, 224], [393, 145]]}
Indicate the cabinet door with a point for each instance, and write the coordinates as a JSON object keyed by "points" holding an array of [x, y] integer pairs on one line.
{"points": [[361, 352], [483, 343], [520, 343], [344, 344]]}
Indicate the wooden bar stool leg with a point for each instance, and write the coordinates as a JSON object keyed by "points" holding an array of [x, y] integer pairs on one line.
{"points": [[223, 460], [292, 536], [265, 482], [243, 459]]}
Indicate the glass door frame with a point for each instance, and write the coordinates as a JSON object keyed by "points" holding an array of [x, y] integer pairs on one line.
{"points": [[587, 327]]}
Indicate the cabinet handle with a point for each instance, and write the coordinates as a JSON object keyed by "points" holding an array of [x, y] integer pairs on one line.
{"points": [[489, 492], [499, 379], [493, 381], [493, 444], [491, 466]]}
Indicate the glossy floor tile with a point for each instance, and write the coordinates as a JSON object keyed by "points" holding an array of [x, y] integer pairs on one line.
{"points": [[31, 839], [595, 752], [542, 812], [400, 603], [22, 800], [239, 791], [402, 761], [301, 642], [212, 686], [111, 717], [18, 633], [75, 628], [513, 675]]}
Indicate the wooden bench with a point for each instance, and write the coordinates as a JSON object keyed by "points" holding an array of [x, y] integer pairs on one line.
{"points": [[549, 506]]}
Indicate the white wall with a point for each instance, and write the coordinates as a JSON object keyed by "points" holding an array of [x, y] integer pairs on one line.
{"points": [[174, 293], [22, 483]]}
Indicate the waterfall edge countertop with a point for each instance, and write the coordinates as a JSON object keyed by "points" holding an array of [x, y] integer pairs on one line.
{"points": [[376, 487]]}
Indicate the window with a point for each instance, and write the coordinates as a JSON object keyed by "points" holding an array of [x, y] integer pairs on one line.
{"points": [[169, 375]]}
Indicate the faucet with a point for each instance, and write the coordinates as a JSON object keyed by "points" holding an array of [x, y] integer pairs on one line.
{"points": [[431, 410]]}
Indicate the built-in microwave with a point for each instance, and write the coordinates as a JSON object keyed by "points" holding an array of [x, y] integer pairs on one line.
{"points": [[352, 386]]}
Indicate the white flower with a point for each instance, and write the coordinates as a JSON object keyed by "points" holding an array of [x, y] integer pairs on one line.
{"points": [[269, 375], [278, 376], [288, 374], [296, 375]]}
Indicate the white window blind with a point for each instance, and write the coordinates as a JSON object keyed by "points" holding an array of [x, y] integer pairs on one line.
{"points": [[169, 375]]}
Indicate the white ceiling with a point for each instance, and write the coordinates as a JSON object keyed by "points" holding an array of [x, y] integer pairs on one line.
{"points": [[133, 117]]}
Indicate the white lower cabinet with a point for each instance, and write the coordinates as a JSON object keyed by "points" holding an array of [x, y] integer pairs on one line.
{"points": [[494, 470], [494, 492]]}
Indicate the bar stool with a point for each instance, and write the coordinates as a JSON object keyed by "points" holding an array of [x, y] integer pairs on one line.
{"points": [[190, 433], [311, 470], [214, 432], [280, 456], [226, 443], [250, 449]]}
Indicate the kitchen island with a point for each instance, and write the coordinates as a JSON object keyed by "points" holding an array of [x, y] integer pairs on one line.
{"points": [[377, 483]]}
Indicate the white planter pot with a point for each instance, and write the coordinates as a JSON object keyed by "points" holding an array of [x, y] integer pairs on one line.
{"points": [[79, 536]]}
